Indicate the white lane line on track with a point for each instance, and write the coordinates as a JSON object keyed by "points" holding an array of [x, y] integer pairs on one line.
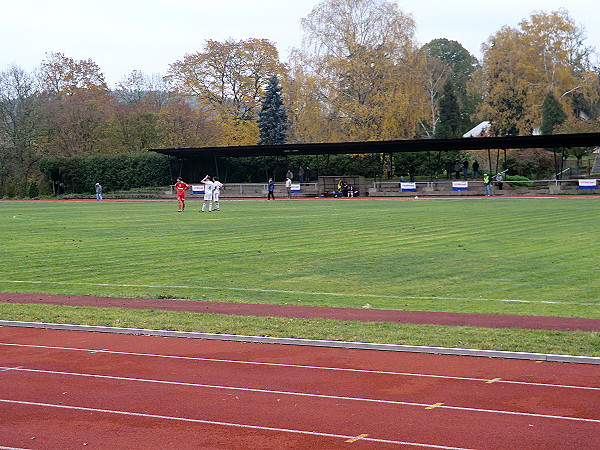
{"points": [[283, 291], [305, 394], [300, 366], [227, 424]]}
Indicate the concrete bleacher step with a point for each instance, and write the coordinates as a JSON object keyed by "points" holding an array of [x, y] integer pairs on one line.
{"points": [[596, 167]]}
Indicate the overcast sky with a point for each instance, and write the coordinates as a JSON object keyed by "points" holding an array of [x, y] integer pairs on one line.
{"points": [[148, 35]]}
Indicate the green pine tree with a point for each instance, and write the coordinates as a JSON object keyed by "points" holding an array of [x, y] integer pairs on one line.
{"points": [[272, 119], [552, 114], [449, 123], [462, 64]]}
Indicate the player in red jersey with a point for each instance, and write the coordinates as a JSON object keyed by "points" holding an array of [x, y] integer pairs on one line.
{"points": [[181, 187]]}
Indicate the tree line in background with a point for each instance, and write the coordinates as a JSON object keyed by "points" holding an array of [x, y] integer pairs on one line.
{"points": [[360, 75]]}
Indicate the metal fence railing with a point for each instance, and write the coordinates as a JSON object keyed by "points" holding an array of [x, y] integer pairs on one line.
{"points": [[388, 186], [244, 189], [447, 184]]}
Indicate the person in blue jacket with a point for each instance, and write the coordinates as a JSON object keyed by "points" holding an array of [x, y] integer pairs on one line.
{"points": [[271, 188]]}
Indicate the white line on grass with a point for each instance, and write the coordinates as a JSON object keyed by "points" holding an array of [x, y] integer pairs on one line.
{"points": [[284, 291], [226, 424], [307, 394], [301, 366]]}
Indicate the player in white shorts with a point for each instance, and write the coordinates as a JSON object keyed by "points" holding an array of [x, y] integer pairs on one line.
{"points": [[216, 192], [208, 193]]}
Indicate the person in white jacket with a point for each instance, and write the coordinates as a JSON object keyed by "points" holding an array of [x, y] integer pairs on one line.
{"points": [[216, 192], [208, 193]]}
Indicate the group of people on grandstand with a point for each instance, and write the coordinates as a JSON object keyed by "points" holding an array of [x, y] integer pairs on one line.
{"points": [[212, 192]]}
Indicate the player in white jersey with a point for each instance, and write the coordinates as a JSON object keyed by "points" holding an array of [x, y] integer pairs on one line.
{"points": [[216, 192], [208, 193]]}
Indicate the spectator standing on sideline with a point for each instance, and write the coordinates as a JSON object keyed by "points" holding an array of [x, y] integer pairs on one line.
{"points": [[466, 169], [301, 174], [98, 192], [499, 180], [449, 167], [288, 187], [208, 193], [475, 173], [217, 192], [457, 169], [181, 187], [289, 174], [486, 182], [307, 174], [271, 189], [411, 173]]}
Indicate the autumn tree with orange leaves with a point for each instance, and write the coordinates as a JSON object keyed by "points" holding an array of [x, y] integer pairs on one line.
{"points": [[522, 65], [368, 76], [77, 106], [229, 78]]}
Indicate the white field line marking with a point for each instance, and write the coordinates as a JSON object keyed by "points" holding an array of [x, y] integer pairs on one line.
{"points": [[300, 366], [226, 424], [305, 394], [283, 291]]}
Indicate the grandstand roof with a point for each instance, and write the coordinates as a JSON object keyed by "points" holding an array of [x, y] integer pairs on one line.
{"points": [[557, 141]]}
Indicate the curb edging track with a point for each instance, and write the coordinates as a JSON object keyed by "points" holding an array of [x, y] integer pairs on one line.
{"points": [[548, 357]]}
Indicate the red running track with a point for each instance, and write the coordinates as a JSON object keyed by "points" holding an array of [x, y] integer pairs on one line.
{"points": [[67, 390]]}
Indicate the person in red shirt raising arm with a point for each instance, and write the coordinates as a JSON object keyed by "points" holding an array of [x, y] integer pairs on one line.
{"points": [[181, 187]]}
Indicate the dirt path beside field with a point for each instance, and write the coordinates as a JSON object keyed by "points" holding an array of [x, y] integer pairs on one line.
{"points": [[350, 314]]}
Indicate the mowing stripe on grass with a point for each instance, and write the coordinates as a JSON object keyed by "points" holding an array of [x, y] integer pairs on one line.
{"points": [[283, 291]]}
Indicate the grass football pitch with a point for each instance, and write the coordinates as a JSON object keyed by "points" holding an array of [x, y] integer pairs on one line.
{"points": [[492, 256]]}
